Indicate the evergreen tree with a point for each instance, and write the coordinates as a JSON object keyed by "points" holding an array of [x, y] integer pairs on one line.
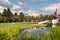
{"points": [[1, 18], [9, 15], [15, 14], [16, 17], [21, 17], [4, 13]]}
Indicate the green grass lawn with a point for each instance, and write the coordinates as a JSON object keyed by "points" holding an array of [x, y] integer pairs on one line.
{"points": [[21, 25], [9, 31]]}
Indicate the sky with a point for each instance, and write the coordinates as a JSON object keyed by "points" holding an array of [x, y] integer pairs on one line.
{"points": [[31, 7]]}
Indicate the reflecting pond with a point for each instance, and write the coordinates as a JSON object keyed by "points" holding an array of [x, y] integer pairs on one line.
{"points": [[36, 31]]}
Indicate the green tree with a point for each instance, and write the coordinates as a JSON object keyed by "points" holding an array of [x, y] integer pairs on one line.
{"points": [[0, 14], [40, 18], [50, 17], [4, 15], [28, 18], [21, 17], [15, 14], [16, 17], [46, 17], [1, 18], [9, 15]]}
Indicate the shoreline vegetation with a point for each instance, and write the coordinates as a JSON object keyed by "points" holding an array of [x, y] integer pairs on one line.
{"points": [[9, 31]]}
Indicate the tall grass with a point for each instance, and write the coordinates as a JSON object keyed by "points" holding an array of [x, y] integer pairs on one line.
{"points": [[13, 33], [54, 35]]}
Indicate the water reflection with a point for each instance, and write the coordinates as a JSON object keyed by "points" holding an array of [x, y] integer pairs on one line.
{"points": [[36, 31]]}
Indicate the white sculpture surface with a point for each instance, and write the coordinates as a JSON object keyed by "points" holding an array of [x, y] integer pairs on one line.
{"points": [[54, 22]]}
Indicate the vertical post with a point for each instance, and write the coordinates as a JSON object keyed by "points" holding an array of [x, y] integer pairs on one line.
{"points": [[56, 10]]}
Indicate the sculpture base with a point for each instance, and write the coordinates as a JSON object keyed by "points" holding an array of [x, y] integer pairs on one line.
{"points": [[54, 22]]}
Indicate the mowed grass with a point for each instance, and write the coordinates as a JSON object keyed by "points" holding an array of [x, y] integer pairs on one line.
{"points": [[17, 27], [21, 25], [17, 24]]}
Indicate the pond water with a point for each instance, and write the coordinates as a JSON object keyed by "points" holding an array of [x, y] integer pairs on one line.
{"points": [[36, 31], [39, 31]]}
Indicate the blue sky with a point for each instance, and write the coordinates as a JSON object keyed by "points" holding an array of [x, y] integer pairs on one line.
{"points": [[36, 4], [35, 7], [40, 4]]}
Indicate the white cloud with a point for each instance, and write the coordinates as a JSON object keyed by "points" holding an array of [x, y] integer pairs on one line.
{"points": [[1, 8], [18, 12], [16, 8], [48, 10], [5, 3], [33, 13], [19, 8], [23, 6], [51, 8]]}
